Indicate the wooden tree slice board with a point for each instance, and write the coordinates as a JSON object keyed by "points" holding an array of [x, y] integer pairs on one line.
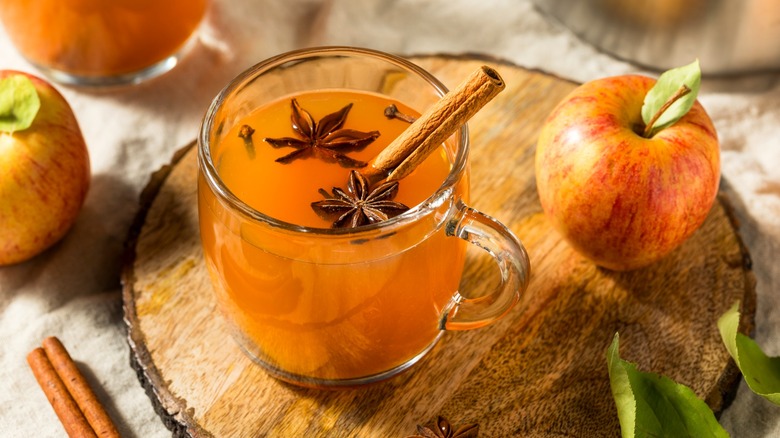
{"points": [[539, 372]]}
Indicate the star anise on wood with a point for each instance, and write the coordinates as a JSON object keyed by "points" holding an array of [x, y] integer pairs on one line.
{"points": [[359, 205], [326, 139], [443, 429]]}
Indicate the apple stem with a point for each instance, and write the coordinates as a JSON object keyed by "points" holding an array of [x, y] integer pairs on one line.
{"points": [[682, 91]]}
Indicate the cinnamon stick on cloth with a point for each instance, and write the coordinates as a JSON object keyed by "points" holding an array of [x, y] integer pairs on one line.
{"points": [[68, 392], [438, 123]]}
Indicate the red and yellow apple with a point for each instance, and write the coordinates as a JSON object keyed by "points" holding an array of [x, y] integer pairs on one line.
{"points": [[44, 175], [620, 199]]}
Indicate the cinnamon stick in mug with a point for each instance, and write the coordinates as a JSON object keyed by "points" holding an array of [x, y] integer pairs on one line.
{"points": [[438, 123]]}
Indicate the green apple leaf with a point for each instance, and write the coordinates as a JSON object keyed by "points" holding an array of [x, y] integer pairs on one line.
{"points": [[650, 405], [762, 373], [19, 103], [665, 90]]}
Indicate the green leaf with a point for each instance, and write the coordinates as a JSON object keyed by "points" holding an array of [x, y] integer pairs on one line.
{"points": [[762, 373], [19, 103], [650, 405], [667, 85]]}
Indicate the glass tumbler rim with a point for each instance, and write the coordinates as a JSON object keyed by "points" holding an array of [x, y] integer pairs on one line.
{"points": [[234, 203]]}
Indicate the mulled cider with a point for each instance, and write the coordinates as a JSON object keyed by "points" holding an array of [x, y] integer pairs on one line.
{"points": [[100, 41], [326, 275], [354, 310]]}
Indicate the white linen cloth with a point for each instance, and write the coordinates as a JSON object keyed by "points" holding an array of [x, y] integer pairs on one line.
{"points": [[72, 291]]}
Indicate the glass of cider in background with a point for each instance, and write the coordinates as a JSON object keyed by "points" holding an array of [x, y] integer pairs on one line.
{"points": [[102, 42], [320, 299]]}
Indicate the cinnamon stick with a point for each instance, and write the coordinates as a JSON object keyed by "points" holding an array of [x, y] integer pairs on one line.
{"points": [[73, 400], [79, 388], [64, 405], [437, 124]]}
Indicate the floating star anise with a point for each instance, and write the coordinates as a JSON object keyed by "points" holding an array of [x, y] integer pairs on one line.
{"points": [[325, 139], [359, 205], [443, 429]]}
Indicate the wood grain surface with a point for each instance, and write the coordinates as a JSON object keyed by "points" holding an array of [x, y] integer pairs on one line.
{"points": [[539, 372]]}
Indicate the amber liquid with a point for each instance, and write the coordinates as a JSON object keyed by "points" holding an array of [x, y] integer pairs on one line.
{"points": [[100, 37], [318, 308]]}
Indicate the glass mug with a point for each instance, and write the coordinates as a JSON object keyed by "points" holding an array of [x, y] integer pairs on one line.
{"points": [[102, 42], [329, 307]]}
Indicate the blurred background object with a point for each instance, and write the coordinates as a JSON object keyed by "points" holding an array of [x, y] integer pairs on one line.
{"points": [[97, 42], [728, 36]]}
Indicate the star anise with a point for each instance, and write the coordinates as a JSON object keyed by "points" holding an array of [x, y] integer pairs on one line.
{"points": [[359, 205], [443, 429], [325, 139]]}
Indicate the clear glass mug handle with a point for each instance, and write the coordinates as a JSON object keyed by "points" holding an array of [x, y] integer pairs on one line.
{"points": [[475, 227]]}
